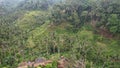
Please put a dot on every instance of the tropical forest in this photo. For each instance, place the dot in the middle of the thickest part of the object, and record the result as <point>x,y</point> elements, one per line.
<point>59,33</point>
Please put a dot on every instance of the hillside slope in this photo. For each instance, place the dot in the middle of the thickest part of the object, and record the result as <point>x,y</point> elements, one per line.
<point>84,33</point>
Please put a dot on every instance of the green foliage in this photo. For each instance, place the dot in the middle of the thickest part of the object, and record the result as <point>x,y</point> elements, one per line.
<point>50,65</point>
<point>50,29</point>
<point>114,24</point>
<point>31,20</point>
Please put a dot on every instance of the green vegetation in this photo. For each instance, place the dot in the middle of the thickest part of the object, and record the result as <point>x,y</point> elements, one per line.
<point>87,33</point>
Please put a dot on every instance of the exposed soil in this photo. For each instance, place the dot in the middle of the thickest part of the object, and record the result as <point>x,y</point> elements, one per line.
<point>101,30</point>
<point>62,63</point>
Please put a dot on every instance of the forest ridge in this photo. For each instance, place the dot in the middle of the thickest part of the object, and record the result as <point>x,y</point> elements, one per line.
<point>59,33</point>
